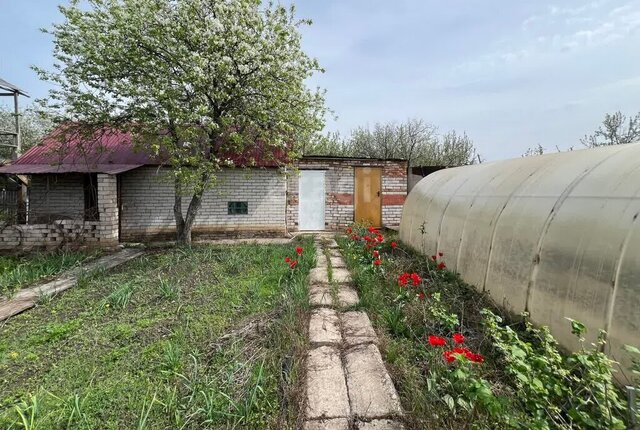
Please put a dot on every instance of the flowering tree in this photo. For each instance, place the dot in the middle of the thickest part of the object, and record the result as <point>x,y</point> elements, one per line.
<point>193,80</point>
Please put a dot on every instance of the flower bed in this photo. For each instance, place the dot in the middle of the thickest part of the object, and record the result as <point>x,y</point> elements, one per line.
<point>457,363</point>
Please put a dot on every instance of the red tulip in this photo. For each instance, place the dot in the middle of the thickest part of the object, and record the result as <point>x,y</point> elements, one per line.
<point>377,262</point>
<point>458,338</point>
<point>299,250</point>
<point>437,341</point>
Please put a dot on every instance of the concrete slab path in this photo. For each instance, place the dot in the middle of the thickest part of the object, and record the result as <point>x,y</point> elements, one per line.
<point>348,386</point>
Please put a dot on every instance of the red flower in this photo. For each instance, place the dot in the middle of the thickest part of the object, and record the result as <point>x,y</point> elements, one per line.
<point>287,260</point>
<point>377,262</point>
<point>299,250</point>
<point>434,258</point>
<point>437,341</point>
<point>394,245</point>
<point>380,238</point>
<point>349,230</point>
<point>476,358</point>
<point>355,237</point>
<point>403,279</point>
<point>376,253</point>
<point>367,238</point>
<point>293,264</point>
<point>373,230</point>
<point>422,295</point>
<point>415,278</point>
<point>449,357</point>
<point>440,254</point>
<point>458,338</point>
<point>441,265</point>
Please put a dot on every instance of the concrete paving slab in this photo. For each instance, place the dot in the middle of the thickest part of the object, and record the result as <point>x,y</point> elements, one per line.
<point>332,424</point>
<point>347,296</point>
<point>331,244</point>
<point>321,260</point>
<point>335,253</point>
<point>337,262</point>
<point>324,327</point>
<point>341,275</point>
<point>321,299</point>
<point>319,275</point>
<point>379,425</point>
<point>371,391</point>
<point>326,388</point>
<point>357,328</point>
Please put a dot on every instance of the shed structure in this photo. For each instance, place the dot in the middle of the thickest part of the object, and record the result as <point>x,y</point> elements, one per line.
<point>104,192</point>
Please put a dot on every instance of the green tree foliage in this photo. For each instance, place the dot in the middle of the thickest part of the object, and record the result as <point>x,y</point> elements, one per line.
<point>33,126</point>
<point>414,140</point>
<point>194,80</point>
<point>616,129</point>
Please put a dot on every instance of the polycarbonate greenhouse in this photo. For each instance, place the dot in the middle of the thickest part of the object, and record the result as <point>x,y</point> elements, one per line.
<point>556,235</point>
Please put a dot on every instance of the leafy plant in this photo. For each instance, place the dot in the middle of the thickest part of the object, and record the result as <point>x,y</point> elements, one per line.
<point>572,391</point>
<point>120,296</point>
<point>169,290</point>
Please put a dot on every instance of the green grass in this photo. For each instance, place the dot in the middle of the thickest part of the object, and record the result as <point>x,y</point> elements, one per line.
<point>17,272</point>
<point>210,337</point>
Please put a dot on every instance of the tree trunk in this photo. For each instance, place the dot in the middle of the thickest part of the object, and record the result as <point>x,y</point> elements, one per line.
<point>177,214</point>
<point>185,224</point>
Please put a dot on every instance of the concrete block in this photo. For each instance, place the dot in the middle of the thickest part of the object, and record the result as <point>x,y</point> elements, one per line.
<point>324,327</point>
<point>371,390</point>
<point>341,275</point>
<point>357,328</point>
<point>383,424</point>
<point>337,262</point>
<point>319,275</point>
<point>347,296</point>
<point>326,387</point>
<point>324,298</point>
<point>331,424</point>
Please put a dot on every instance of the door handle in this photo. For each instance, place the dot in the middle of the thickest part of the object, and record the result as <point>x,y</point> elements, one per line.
<point>378,193</point>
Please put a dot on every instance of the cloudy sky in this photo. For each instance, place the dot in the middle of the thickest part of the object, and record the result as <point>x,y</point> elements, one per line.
<point>512,74</point>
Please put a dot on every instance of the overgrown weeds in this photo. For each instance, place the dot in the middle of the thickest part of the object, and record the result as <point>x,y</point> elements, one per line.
<point>207,337</point>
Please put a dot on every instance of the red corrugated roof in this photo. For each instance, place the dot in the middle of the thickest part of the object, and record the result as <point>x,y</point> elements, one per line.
<point>110,151</point>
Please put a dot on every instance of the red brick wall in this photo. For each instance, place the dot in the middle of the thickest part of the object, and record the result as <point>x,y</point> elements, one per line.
<point>339,183</point>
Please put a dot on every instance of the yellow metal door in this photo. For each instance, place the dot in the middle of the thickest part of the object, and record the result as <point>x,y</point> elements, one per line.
<point>368,191</point>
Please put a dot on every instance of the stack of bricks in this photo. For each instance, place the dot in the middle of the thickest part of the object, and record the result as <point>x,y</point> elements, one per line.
<point>340,185</point>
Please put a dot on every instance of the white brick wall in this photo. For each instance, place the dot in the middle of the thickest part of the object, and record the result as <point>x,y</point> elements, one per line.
<point>147,198</point>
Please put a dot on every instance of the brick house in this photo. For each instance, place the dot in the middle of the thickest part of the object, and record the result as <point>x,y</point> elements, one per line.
<point>114,194</point>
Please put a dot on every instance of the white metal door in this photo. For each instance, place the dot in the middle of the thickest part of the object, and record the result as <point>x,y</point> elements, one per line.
<point>311,200</point>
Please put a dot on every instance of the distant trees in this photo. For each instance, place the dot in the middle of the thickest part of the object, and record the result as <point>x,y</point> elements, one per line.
<point>33,128</point>
<point>534,150</point>
<point>414,140</point>
<point>616,129</point>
